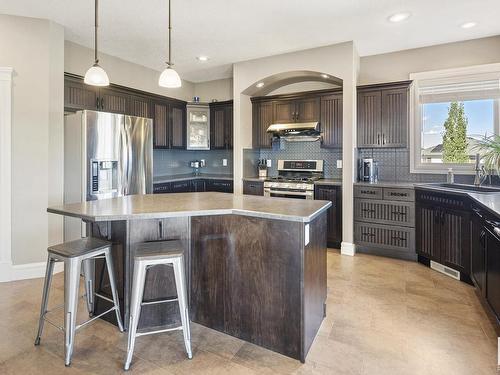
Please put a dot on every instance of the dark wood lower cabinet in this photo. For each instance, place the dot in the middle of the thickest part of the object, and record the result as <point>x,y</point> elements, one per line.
<point>334,194</point>
<point>253,188</point>
<point>196,185</point>
<point>443,229</point>
<point>246,280</point>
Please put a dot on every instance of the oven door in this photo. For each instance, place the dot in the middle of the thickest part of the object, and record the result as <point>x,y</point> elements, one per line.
<point>302,194</point>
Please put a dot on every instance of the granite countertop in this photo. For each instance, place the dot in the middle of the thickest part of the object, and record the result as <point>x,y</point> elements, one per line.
<point>153,206</point>
<point>388,184</point>
<point>191,176</point>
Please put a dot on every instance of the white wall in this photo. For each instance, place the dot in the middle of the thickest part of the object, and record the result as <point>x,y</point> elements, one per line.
<point>397,66</point>
<point>34,49</point>
<point>77,59</point>
<point>220,89</point>
<point>341,61</point>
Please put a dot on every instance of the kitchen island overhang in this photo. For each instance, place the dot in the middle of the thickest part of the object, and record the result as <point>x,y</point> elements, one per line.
<point>256,266</point>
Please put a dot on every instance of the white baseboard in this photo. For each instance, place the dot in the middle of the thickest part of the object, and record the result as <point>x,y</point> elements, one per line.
<point>13,272</point>
<point>347,248</point>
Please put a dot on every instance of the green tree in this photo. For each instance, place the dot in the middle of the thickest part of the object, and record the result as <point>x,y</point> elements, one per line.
<point>455,135</point>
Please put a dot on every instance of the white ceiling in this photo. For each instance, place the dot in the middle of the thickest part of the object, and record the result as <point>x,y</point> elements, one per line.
<point>229,31</point>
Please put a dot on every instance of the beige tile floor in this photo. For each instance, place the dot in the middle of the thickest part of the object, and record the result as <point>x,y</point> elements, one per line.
<point>384,316</point>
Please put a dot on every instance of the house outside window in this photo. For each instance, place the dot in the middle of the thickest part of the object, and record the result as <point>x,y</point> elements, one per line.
<point>451,110</point>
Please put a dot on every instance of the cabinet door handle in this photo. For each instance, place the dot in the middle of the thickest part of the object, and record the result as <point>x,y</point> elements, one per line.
<point>383,139</point>
<point>442,217</point>
<point>102,103</point>
<point>160,229</point>
<point>378,139</point>
<point>97,102</point>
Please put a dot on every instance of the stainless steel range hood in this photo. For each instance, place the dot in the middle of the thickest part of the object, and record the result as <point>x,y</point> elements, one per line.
<point>296,131</point>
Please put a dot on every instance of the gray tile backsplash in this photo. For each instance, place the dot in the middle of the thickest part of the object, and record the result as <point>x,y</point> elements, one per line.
<point>172,162</point>
<point>394,165</point>
<point>299,151</point>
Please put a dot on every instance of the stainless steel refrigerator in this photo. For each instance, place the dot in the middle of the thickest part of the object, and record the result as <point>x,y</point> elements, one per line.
<point>106,155</point>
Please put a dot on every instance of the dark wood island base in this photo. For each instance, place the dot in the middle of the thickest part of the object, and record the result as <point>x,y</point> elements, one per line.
<point>252,278</point>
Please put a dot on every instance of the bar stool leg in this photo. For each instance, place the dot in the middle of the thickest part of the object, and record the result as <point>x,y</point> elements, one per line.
<point>89,277</point>
<point>45,297</point>
<point>71,287</point>
<point>135,308</point>
<point>180,283</point>
<point>111,272</point>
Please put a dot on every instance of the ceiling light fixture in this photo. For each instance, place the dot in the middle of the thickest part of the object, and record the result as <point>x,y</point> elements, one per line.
<point>325,76</point>
<point>259,85</point>
<point>169,78</point>
<point>399,17</point>
<point>202,58</point>
<point>96,76</point>
<point>468,25</point>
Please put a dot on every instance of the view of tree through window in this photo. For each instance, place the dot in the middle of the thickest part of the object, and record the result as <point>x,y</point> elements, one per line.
<point>450,130</point>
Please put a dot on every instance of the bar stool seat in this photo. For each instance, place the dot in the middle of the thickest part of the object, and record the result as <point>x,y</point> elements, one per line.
<point>75,254</point>
<point>152,254</point>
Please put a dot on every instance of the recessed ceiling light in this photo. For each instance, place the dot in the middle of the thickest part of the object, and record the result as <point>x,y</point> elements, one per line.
<point>202,58</point>
<point>259,85</point>
<point>399,17</point>
<point>325,76</point>
<point>468,25</point>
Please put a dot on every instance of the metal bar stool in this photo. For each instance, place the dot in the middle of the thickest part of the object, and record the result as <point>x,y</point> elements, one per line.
<point>153,254</point>
<point>74,254</point>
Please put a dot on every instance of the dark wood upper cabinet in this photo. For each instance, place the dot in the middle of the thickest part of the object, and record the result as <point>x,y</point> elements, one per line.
<point>177,125</point>
<point>161,136</point>
<point>369,118</point>
<point>262,117</point>
<point>395,117</point>
<point>301,110</point>
<point>78,95</point>
<point>307,110</point>
<point>168,115</point>
<point>221,125</point>
<point>383,115</point>
<point>331,120</point>
<point>140,106</point>
<point>284,111</point>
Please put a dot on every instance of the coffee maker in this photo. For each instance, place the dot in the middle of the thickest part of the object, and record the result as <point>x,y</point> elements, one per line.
<point>368,170</point>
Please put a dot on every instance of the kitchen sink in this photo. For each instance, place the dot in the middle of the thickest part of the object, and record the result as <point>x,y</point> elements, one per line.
<point>471,188</point>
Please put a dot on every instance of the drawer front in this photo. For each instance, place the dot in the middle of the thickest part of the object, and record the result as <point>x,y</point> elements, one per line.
<point>447,199</point>
<point>165,187</point>
<point>181,187</point>
<point>384,212</point>
<point>253,188</point>
<point>368,192</point>
<point>384,237</point>
<point>222,186</point>
<point>396,194</point>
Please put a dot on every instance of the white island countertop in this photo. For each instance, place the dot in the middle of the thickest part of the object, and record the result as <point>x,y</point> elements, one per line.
<point>157,206</point>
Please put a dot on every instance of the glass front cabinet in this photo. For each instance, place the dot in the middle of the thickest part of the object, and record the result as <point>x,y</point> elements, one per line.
<point>198,127</point>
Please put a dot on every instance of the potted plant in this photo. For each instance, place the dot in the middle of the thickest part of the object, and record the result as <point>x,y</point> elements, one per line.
<point>489,148</point>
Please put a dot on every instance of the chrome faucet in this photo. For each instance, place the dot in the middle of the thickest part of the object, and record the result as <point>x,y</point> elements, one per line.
<point>481,174</point>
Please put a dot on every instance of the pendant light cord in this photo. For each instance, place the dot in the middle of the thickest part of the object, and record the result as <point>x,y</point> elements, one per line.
<point>169,62</point>
<point>96,11</point>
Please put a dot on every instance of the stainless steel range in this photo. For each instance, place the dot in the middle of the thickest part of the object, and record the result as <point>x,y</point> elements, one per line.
<point>295,179</point>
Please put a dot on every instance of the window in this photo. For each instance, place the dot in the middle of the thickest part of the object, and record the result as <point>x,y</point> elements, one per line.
<point>452,110</point>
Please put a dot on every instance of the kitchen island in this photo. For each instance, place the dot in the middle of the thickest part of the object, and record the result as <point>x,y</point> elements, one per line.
<point>256,267</point>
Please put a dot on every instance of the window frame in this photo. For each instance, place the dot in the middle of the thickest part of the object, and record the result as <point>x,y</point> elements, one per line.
<point>416,165</point>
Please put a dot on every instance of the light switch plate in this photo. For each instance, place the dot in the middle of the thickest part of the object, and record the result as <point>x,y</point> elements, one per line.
<point>339,164</point>
<point>224,162</point>
<point>269,163</point>
<point>306,234</point>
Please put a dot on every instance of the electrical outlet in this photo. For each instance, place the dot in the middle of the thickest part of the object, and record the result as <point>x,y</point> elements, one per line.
<point>339,164</point>
<point>269,163</point>
<point>224,162</point>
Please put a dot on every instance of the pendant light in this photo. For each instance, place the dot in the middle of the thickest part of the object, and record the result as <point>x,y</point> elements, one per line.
<point>96,76</point>
<point>169,77</point>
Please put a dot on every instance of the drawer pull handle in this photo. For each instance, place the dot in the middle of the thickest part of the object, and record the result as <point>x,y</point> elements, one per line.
<point>368,234</point>
<point>398,213</point>
<point>398,238</point>
<point>368,210</point>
